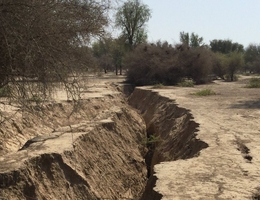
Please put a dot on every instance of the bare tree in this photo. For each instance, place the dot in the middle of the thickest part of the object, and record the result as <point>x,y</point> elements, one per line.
<point>42,41</point>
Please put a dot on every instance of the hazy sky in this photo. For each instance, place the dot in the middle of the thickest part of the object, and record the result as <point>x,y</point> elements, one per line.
<point>238,20</point>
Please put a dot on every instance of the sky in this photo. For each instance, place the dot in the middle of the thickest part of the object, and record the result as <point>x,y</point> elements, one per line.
<point>237,20</point>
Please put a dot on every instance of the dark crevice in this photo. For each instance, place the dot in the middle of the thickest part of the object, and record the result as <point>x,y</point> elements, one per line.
<point>149,192</point>
<point>171,133</point>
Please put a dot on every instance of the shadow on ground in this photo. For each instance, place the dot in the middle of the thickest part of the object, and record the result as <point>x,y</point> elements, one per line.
<point>250,104</point>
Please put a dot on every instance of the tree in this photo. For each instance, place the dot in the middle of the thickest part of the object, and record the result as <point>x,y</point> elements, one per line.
<point>235,61</point>
<point>131,17</point>
<point>118,54</point>
<point>110,53</point>
<point>185,38</point>
<point>102,50</point>
<point>225,46</point>
<point>192,40</point>
<point>42,40</point>
<point>219,66</point>
<point>252,58</point>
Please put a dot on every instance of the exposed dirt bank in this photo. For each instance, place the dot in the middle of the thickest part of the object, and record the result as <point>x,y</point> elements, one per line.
<point>96,153</point>
<point>171,132</point>
<point>229,123</point>
<point>198,147</point>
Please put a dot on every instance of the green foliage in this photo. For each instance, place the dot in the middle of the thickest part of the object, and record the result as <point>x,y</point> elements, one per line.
<point>152,139</point>
<point>226,65</point>
<point>235,61</point>
<point>109,53</point>
<point>192,40</point>
<point>185,38</point>
<point>252,52</point>
<point>205,92</point>
<point>131,17</point>
<point>254,83</point>
<point>219,64</point>
<point>228,78</point>
<point>158,86</point>
<point>186,83</point>
<point>252,58</point>
<point>225,46</point>
<point>35,98</point>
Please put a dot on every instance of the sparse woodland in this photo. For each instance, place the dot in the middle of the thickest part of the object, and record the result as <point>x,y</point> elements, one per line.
<point>52,41</point>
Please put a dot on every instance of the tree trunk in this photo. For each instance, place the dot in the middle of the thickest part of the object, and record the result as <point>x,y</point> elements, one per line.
<point>120,69</point>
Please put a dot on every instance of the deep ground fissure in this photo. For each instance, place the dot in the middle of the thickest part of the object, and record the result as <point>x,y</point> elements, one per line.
<point>171,133</point>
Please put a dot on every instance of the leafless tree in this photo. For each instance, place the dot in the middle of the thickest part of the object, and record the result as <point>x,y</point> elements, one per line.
<point>42,41</point>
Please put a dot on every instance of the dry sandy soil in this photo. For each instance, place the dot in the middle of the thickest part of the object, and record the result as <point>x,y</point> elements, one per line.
<point>229,168</point>
<point>96,152</point>
<point>208,147</point>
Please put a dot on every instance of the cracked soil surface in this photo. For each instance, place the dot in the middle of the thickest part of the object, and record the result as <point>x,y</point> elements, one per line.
<point>229,123</point>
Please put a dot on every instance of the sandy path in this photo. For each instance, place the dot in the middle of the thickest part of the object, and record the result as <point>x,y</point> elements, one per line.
<point>229,123</point>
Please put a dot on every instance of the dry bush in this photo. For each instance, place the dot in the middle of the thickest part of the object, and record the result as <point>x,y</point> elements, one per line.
<point>43,42</point>
<point>161,63</point>
<point>152,64</point>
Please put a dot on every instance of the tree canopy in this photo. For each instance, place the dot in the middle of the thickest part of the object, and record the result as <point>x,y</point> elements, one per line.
<point>191,40</point>
<point>131,17</point>
<point>225,46</point>
<point>252,58</point>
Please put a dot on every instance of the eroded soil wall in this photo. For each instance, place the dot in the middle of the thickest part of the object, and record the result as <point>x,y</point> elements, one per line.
<point>100,155</point>
<point>171,132</point>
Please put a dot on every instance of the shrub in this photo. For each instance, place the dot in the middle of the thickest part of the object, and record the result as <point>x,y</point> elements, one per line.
<point>219,65</point>
<point>152,139</point>
<point>162,63</point>
<point>158,86</point>
<point>150,63</point>
<point>254,83</point>
<point>205,92</point>
<point>228,78</point>
<point>235,61</point>
<point>186,83</point>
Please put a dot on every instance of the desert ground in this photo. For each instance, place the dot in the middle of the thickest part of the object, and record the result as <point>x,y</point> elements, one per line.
<point>229,168</point>
<point>99,153</point>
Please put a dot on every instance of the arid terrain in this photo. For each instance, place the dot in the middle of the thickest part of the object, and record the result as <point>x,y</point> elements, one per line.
<point>169,145</point>
<point>229,123</point>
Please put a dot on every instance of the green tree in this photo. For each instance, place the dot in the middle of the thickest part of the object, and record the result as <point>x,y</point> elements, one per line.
<point>102,50</point>
<point>225,46</point>
<point>192,40</point>
<point>118,53</point>
<point>219,66</point>
<point>185,38</point>
<point>252,58</point>
<point>110,53</point>
<point>132,17</point>
<point>235,61</point>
